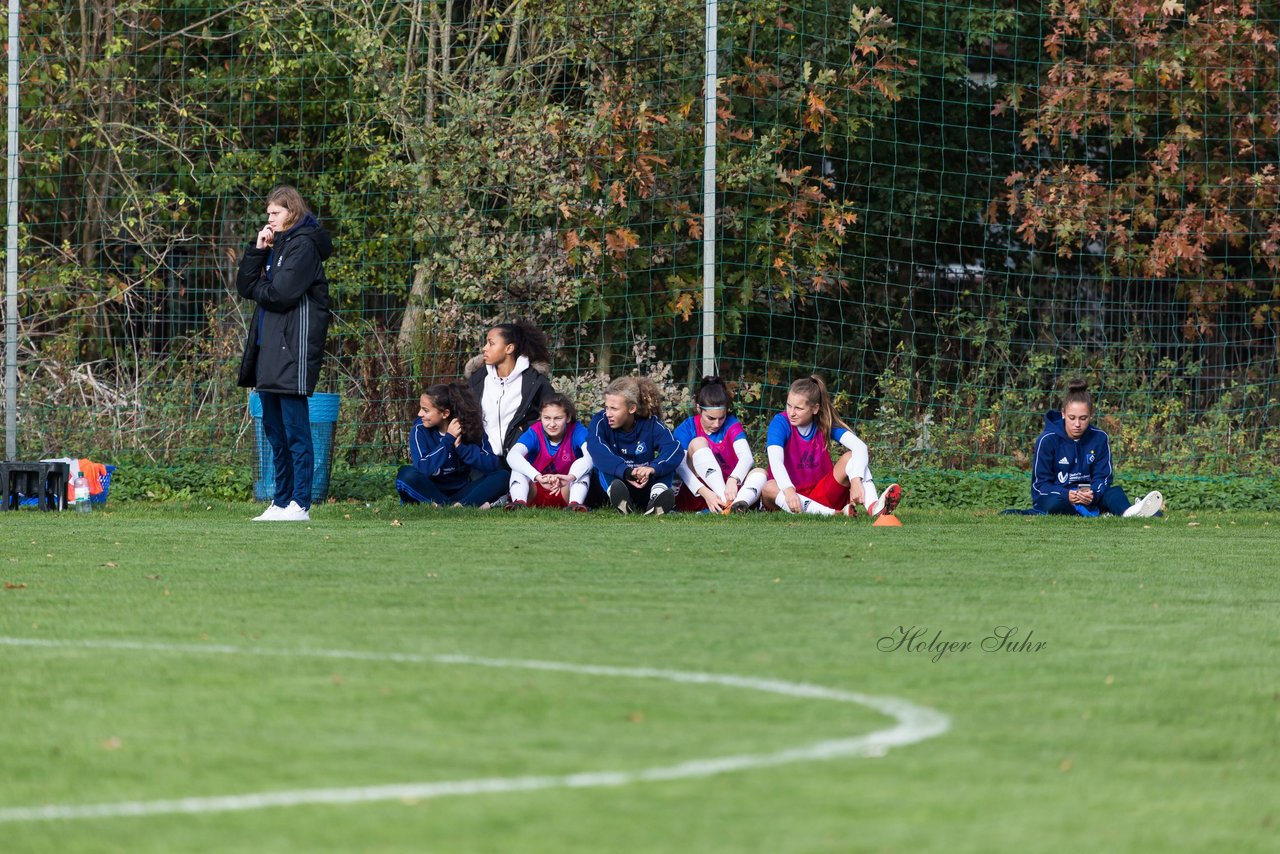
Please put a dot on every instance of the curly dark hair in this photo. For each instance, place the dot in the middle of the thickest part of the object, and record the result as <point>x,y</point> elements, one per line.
<point>531,342</point>
<point>459,403</point>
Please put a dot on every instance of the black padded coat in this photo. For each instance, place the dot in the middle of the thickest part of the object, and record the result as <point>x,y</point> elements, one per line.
<point>285,347</point>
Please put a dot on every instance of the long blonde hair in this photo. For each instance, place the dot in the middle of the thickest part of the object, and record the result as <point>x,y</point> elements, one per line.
<point>814,390</point>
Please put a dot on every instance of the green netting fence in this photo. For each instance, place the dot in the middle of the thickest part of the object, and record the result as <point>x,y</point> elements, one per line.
<point>946,209</point>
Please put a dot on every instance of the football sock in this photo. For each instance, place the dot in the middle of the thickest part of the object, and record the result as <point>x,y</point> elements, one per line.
<point>519,487</point>
<point>749,492</point>
<point>708,471</point>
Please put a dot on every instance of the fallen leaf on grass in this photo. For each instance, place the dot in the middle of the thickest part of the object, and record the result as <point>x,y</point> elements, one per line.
<point>1064,766</point>
<point>636,717</point>
<point>9,585</point>
<point>113,743</point>
<point>395,523</point>
<point>110,564</point>
<point>1193,524</point>
<point>153,577</point>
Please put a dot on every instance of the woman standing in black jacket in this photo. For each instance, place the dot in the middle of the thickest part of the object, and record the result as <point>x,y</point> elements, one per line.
<point>283,273</point>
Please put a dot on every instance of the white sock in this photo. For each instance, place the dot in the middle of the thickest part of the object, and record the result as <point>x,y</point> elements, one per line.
<point>807,505</point>
<point>708,471</point>
<point>869,494</point>
<point>749,492</point>
<point>519,487</point>
<point>578,491</point>
<point>657,489</point>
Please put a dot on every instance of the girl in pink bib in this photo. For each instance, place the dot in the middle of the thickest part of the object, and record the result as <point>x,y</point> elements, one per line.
<point>716,472</point>
<point>550,466</point>
<point>802,478</point>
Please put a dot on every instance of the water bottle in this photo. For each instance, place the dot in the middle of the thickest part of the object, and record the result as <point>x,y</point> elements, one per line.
<point>82,494</point>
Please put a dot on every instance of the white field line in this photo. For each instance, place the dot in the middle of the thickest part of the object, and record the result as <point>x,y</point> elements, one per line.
<point>914,724</point>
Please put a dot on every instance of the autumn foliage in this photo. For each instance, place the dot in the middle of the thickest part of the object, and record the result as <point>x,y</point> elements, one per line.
<point>1158,125</point>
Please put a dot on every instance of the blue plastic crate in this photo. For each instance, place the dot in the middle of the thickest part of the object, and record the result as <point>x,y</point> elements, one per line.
<point>105,482</point>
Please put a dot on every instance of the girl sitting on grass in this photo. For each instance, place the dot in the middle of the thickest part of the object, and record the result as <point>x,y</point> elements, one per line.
<point>1072,469</point>
<point>803,479</point>
<point>634,452</point>
<point>550,466</point>
<point>716,469</point>
<point>451,463</point>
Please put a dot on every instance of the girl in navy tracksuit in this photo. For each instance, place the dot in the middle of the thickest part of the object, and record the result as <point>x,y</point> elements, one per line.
<point>452,463</point>
<point>634,452</point>
<point>1072,469</point>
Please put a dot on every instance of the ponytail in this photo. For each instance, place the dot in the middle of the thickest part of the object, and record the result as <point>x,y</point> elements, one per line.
<point>814,390</point>
<point>712,393</point>
<point>530,341</point>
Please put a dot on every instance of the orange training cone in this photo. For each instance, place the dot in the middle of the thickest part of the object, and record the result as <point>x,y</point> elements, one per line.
<point>887,520</point>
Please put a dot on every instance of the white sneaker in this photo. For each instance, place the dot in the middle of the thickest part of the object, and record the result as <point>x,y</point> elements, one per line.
<point>887,502</point>
<point>271,514</point>
<point>293,513</point>
<point>1149,505</point>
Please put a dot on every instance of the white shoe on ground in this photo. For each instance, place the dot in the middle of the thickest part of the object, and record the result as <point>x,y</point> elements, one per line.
<point>293,513</point>
<point>271,514</point>
<point>1149,505</point>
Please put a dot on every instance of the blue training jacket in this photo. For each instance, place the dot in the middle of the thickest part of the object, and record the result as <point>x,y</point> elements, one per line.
<point>648,443</point>
<point>448,464</point>
<point>1062,463</point>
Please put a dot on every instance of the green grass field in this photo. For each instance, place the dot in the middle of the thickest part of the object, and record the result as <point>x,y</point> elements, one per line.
<point>154,653</point>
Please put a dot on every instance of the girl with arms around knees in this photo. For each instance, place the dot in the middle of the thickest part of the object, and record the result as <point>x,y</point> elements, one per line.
<point>716,468</point>
<point>451,461</point>
<point>1072,470</point>
<point>803,479</point>
<point>550,465</point>
<point>512,384</point>
<point>633,451</point>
